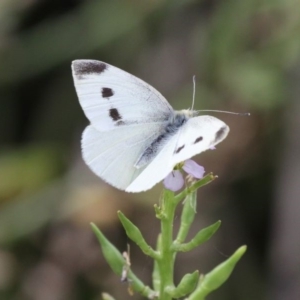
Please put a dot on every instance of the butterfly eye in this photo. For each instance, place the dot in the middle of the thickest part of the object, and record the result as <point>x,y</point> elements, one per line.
<point>198,139</point>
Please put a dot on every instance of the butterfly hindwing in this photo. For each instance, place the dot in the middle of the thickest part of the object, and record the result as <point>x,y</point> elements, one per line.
<point>112,98</point>
<point>156,170</point>
<point>112,154</point>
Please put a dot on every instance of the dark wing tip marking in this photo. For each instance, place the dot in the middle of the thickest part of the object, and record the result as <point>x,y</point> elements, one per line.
<point>220,134</point>
<point>107,92</point>
<point>198,139</point>
<point>115,115</point>
<point>86,67</point>
<point>179,149</point>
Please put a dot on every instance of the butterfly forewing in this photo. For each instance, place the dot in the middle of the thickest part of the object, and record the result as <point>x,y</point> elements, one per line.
<point>112,154</point>
<point>112,98</point>
<point>198,134</point>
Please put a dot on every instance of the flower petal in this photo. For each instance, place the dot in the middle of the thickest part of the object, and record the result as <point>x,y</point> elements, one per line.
<point>174,181</point>
<point>192,168</point>
<point>212,148</point>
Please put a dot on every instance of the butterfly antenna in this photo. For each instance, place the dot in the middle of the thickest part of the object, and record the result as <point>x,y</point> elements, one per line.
<point>194,91</point>
<point>225,112</point>
<point>211,110</point>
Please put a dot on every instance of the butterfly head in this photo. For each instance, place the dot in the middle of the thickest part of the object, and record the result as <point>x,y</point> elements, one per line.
<point>189,113</point>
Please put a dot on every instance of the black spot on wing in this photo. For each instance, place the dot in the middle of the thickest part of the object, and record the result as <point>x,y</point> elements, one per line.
<point>198,139</point>
<point>179,149</point>
<point>219,134</point>
<point>107,92</point>
<point>82,68</point>
<point>115,115</point>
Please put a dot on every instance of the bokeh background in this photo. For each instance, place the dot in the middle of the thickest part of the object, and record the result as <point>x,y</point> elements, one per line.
<point>246,58</point>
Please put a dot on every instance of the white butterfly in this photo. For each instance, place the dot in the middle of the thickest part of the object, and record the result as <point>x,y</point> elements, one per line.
<point>136,138</point>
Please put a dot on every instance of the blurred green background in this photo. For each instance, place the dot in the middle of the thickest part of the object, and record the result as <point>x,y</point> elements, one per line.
<point>246,58</point>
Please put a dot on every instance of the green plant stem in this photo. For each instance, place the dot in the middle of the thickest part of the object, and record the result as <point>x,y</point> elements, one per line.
<point>155,273</point>
<point>205,180</point>
<point>166,261</point>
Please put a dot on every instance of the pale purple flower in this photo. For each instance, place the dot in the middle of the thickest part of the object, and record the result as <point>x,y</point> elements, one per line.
<point>212,148</point>
<point>192,168</point>
<point>175,181</point>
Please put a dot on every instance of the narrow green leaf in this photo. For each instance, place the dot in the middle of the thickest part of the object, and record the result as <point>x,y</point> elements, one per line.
<point>201,237</point>
<point>217,276</point>
<point>136,236</point>
<point>187,217</point>
<point>117,262</point>
<point>112,255</point>
<point>186,286</point>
